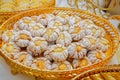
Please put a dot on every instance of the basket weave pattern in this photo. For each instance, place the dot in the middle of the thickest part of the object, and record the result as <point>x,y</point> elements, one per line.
<point>105,69</point>
<point>112,33</point>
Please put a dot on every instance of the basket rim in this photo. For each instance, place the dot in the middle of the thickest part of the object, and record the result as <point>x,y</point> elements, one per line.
<point>114,17</point>
<point>69,9</point>
<point>107,68</point>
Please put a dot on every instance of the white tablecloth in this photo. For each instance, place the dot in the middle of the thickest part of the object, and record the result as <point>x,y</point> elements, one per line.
<point>5,73</point>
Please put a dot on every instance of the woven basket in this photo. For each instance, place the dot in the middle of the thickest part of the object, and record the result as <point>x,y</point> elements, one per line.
<point>64,74</point>
<point>111,71</point>
<point>115,17</point>
<point>5,15</point>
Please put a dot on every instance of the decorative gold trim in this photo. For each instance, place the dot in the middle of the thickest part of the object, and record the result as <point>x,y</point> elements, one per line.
<point>115,17</point>
<point>66,74</point>
<point>110,68</point>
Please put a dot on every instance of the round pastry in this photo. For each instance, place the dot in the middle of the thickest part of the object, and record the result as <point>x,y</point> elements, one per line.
<point>66,27</point>
<point>42,20</point>
<point>55,24</point>
<point>91,29</point>
<point>85,23</point>
<point>36,46</point>
<point>8,36</point>
<point>102,44</point>
<point>64,39</point>
<point>59,25</point>
<point>22,38</point>
<point>16,26</point>
<point>45,18</point>
<point>79,63</point>
<point>41,63</point>
<point>51,34</point>
<point>36,29</point>
<point>57,53</point>
<point>89,42</point>
<point>62,18</point>
<point>77,33</point>
<point>10,49</point>
<point>95,31</point>
<point>50,17</point>
<point>24,58</point>
<point>102,32</point>
<point>96,56</point>
<point>23,24</point>
<point>74,20</point>
<point>62,66</point>
<point>76,51</point>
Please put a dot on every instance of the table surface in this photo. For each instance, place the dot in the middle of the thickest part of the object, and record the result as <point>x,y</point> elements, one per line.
<point>5,72</point>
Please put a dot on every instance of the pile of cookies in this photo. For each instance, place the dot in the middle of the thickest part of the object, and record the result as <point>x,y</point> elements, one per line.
<point>55,42</point>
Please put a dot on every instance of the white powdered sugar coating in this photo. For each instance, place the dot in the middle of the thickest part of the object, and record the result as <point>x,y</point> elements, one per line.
<point>24,58</point>
<point>36,29</point>
<point>51,34</point>
<point>62,18</point>
<point>37,45</point>
<point>64,39</point>
<point>73,20</point>
<point>21,42</point>
<point>79,63</point>
<point>57,53</point>
<point>89,42</point>
<point>23,24</point>
<point>103,44</point>
<point>45,18</point>
<point>41,63</point>
<point>56,41</point>
<point>8,35</point>
<point>96,56</point>
<point>76,51</point>
<point>10,49</point>
<point>65,65</point>
<point>77,34</point>
<point>55,24</point>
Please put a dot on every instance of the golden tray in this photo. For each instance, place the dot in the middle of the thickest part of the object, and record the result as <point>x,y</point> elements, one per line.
<point>112,72</point>
<point>112,36</point>
<point>5,15</point>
